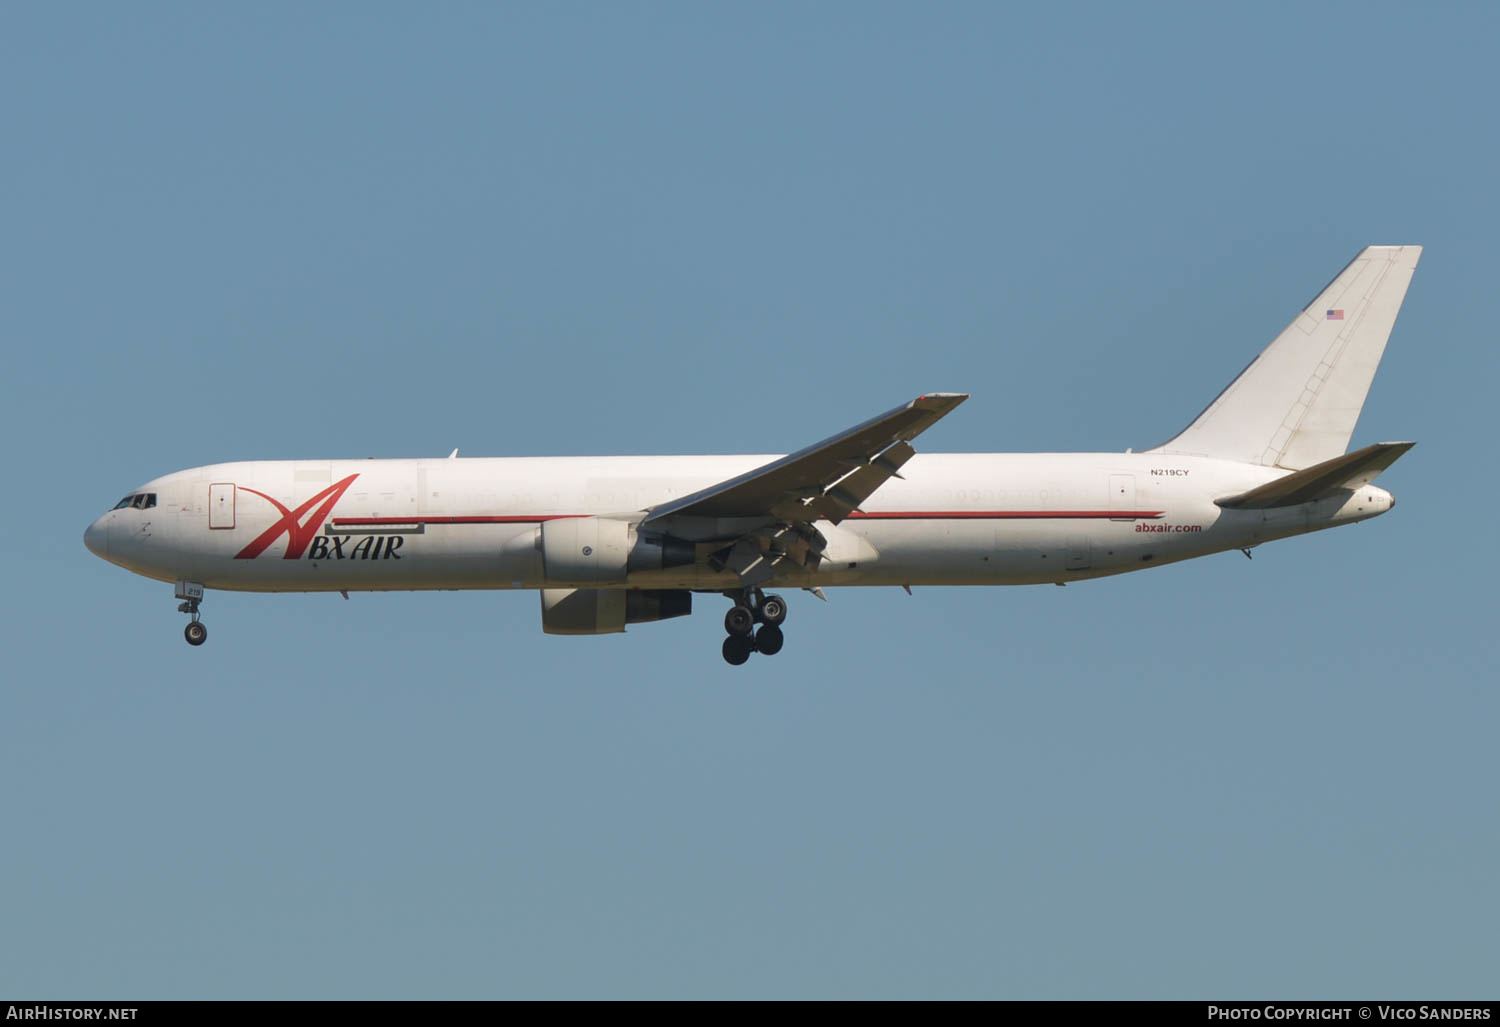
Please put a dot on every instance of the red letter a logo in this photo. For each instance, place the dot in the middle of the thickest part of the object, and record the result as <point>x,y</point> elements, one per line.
<point>298,532</point>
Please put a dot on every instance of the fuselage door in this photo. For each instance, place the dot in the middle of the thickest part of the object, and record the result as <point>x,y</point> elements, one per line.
<point>1122,497</point>
<point>221,505</point>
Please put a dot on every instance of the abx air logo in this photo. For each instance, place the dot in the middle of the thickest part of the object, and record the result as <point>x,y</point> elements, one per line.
<point>299,532</point>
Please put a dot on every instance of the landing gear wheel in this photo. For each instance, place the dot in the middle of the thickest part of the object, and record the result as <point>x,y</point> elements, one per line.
<point>195,633</point>
<point>737,649</point>
<point>739,622</point>
<point>773,610</point>
<point>768,640</point>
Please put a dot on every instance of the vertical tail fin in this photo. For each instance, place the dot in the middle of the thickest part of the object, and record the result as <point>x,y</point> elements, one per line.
<point>1297,403</point>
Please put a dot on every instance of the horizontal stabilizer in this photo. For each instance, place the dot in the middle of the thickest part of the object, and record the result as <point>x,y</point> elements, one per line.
<point>1349,471</point>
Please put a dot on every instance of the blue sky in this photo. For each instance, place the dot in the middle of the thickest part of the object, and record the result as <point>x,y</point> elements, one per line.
<point>363,229</point>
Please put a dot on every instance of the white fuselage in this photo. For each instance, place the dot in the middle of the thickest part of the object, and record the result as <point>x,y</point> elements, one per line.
<point>955,519</point>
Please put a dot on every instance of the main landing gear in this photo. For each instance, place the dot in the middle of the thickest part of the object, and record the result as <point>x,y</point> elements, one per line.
<point>192,595</point>
<point>752,607</point>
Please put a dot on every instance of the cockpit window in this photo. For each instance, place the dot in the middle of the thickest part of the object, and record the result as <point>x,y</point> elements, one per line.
<point>140,500</point>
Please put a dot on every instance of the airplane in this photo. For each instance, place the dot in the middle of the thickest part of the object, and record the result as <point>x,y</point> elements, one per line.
<point>612,541</point>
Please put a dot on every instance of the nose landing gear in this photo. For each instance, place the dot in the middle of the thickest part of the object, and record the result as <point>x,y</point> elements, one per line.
<point>752,607</point>
<point>191,595</point>
<point>195,632</point>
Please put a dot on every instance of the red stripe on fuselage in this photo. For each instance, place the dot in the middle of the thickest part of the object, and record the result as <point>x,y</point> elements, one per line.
<point>999,515</point>
<point>882,515</point>
<point>498,519</point>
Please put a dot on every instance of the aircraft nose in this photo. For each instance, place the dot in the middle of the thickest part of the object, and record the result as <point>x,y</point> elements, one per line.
<point>96,537</point>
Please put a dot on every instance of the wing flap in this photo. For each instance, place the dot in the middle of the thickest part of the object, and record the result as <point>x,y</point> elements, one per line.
<point>1349,471</point>
<point>844,497</point>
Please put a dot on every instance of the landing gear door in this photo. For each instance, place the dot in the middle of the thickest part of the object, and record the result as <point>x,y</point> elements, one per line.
<point>221,505</point>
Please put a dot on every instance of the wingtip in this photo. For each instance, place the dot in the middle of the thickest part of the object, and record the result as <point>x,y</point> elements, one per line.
<point>935,399</point>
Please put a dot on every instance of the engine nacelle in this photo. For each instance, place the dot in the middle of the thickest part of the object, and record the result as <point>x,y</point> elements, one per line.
<point>599,611</point>
<point>602,551</point>
<point>585,551</point>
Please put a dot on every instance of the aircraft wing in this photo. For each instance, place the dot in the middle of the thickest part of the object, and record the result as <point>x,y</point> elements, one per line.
<point>826,480</point>
<point>1349,471</point>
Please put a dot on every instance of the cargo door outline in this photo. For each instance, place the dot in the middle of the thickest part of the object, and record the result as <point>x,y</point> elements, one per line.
<point>1122,497</point>
<point>221,506</point>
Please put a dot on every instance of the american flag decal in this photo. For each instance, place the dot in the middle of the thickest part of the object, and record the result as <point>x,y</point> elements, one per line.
<point>1335,315</point>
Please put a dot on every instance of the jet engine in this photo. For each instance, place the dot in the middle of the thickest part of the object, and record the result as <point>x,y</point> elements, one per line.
<point>599,611</point>
<point>585,551</point>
